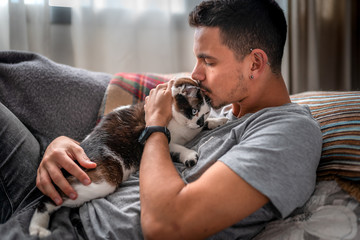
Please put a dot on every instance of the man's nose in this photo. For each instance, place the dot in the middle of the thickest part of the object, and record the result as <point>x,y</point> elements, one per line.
<point>197,73</point>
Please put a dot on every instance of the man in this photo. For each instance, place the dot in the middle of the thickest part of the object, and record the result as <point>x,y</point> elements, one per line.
<point>258,167</point>
<point>239,46</point>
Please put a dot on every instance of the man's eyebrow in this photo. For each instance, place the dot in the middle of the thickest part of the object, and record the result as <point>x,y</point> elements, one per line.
<point>203,55</point>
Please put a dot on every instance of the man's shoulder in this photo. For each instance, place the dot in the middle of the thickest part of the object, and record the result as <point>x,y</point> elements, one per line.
<point>286,113</point>
<point>291,121</point>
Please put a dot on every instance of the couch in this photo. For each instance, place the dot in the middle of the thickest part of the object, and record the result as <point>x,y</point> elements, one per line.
<point>332,212</point>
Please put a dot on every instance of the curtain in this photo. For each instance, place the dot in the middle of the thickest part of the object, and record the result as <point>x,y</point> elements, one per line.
<point>137,35</point>
<point>23,27</point>
<point>323,45</point>
<point>103,35</point>
<point>322,50</point>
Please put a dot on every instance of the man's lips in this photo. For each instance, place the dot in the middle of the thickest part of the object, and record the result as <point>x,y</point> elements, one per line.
<point>204,89</point>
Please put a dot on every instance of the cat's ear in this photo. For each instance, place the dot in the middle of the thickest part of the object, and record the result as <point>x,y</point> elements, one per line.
<point>190,90</point>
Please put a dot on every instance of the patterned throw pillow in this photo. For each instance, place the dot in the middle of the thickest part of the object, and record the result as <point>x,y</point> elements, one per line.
<point>339,116</point>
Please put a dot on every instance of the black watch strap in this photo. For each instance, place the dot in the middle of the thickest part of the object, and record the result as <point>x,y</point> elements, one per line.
<point>151,129</point>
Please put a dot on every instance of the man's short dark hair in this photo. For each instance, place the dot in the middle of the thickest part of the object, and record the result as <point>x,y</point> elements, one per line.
<point>245,25</point>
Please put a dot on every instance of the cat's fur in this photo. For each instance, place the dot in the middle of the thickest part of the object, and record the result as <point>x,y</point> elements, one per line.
<point>113,146</point>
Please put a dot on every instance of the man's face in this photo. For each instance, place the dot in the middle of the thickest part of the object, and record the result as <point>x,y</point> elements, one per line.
<point>220,74</point>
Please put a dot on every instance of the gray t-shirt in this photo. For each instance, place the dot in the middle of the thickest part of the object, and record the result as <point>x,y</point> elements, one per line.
<point>276,150</point>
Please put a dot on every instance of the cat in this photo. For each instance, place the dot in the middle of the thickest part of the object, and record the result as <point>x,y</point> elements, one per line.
<point>113,145</point>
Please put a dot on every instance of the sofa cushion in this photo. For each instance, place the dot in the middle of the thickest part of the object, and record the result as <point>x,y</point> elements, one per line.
<point>339,116</point>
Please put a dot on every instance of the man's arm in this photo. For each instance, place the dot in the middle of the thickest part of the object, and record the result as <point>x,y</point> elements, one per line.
<point>170,208</point>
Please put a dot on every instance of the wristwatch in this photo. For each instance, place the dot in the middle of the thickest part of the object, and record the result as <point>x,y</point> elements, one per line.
<point>151,129</point>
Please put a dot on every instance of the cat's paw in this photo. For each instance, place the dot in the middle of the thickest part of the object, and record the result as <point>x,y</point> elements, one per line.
<point>39,231</point>
<point>186,156</point>
<point>191,159</point>
<point>213,123</point>
<point>190,163</point>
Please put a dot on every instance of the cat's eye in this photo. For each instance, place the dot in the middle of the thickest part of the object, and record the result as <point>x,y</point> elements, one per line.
<point>194,111</point>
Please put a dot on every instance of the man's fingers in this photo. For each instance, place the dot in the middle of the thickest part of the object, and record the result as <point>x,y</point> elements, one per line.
<point>169,86</point>
<point>84,161</point>
<point>58,178</point>
<point>43,182</point>
<point>162,85</point>
<point>171,83</point>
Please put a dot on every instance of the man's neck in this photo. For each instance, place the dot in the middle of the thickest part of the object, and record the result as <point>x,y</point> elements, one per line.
<point>273,94</point>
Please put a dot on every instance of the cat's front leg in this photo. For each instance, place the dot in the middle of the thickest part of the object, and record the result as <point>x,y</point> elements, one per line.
<point>40,220</point>
<point>212,123</point>
<point>184,155</point>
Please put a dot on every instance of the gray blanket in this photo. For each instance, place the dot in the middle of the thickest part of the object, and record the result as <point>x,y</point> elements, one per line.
<point>50,99</point>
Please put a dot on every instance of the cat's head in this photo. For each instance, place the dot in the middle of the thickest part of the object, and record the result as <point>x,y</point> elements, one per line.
<point>190,107</point>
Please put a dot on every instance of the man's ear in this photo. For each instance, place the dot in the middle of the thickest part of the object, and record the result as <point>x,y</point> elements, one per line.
<point>259,61</point>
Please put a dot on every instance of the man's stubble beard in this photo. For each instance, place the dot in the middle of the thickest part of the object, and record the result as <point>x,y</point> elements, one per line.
<point>232,93</point>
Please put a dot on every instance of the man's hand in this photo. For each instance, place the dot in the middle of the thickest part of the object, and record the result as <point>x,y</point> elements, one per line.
<point>61,153</point>
<point>158,105</point>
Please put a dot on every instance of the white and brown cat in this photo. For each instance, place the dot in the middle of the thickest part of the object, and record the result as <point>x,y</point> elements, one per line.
<point>113,145</point>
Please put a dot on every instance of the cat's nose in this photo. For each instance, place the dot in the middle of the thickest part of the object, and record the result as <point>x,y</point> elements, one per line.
<point>201,121</point>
